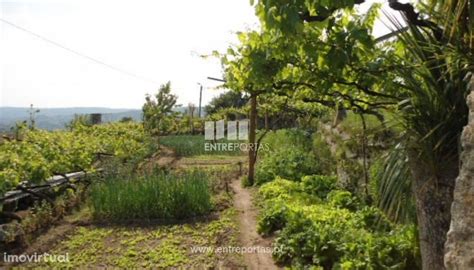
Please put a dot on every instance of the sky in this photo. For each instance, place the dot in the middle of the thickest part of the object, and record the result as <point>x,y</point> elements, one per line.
<point>140,44</point>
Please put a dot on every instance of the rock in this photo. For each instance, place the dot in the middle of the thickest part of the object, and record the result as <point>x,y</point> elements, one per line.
<point>460,239</point>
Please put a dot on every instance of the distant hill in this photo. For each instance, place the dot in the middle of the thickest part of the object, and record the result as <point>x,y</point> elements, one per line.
<point>57,118</point>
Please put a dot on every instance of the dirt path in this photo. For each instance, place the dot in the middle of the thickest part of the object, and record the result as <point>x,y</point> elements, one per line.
<point>248,229</point>
<point>165,157</point>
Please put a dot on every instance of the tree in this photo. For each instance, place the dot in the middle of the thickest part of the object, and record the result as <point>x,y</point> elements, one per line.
<point>248,69</point>
<point>32,111</point>
<point>423,74</point>
<point>126,119</point>
<point>230,99</point>
<point>157,111</point>
<point>191,108</point>
<point>270,62</point>
<point>434,116</point>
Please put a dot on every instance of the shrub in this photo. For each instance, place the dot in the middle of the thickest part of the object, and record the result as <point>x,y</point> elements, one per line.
<point>336,239</point>
<point>273,218</point>
<point>313,235</point>
<point>323,154</point>
<point>374,219</point>
<point>156,196</point>
<point>319,185</point>
<point>287,139</point>
<point>278,188</point>
<point>289,156</point>
<point>396,250</point>
<point>336,233</point>
<point>290,164</point>
<point>343,199</point>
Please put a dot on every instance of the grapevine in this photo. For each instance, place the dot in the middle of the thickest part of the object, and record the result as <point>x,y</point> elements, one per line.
<point>41,154</point>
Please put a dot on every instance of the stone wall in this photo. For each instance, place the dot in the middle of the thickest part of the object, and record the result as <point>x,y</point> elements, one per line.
<point>460,240</point>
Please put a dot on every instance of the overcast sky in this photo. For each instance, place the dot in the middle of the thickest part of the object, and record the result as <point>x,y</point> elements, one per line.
<point>154,40</point>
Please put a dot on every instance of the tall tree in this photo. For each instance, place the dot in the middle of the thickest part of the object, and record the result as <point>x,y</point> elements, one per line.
<point>248,69</point>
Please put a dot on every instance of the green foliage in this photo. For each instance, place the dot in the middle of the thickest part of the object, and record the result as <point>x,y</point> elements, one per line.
<point>374,219</point>
<point>244,181</point>
<point>329,63</point>
<point>323,52</point>
<point>313,240</point>
<point>289,156</point>
<point>274,218</point>
<point>286,16</point>
<point>230,113</point>
<point>157,111</point>
<point>230,99</point>
<point>290,163</point>
<point>126,119</point>
<point>185,124</point>
<point>352,123</point>
<point>334,238</point>
<point>280,188</point>
<point>41,154</point>
<point>343,199</point>
<point>157,196</point>
<point>79,120</point>
<point>287,138</point>
<point>318,185</point>
<point>157,246</point>
<point>436,111</point>
<point>393,183</point>
<point>315,233</point>
<point>249,66</point>
<point>323,155</point>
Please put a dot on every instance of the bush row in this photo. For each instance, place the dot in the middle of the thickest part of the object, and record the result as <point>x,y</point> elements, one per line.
<point>318,225</point>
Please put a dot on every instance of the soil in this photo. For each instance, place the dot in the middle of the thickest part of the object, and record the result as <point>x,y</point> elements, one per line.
<point>164,158</point>
<point>247,217</point>
<point>53,236</point>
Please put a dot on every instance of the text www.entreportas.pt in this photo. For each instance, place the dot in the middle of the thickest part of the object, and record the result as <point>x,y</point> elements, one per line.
<point>232,249</point>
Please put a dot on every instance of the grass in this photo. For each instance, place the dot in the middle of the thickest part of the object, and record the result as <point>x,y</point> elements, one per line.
<point>192,145</point>
<point>158,196</point>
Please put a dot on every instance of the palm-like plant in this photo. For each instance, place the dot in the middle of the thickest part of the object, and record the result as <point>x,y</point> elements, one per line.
<point>395,188</point>
<point>435,74</point>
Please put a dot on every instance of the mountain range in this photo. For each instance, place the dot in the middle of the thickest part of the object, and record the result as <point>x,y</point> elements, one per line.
<point>57,118</point>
